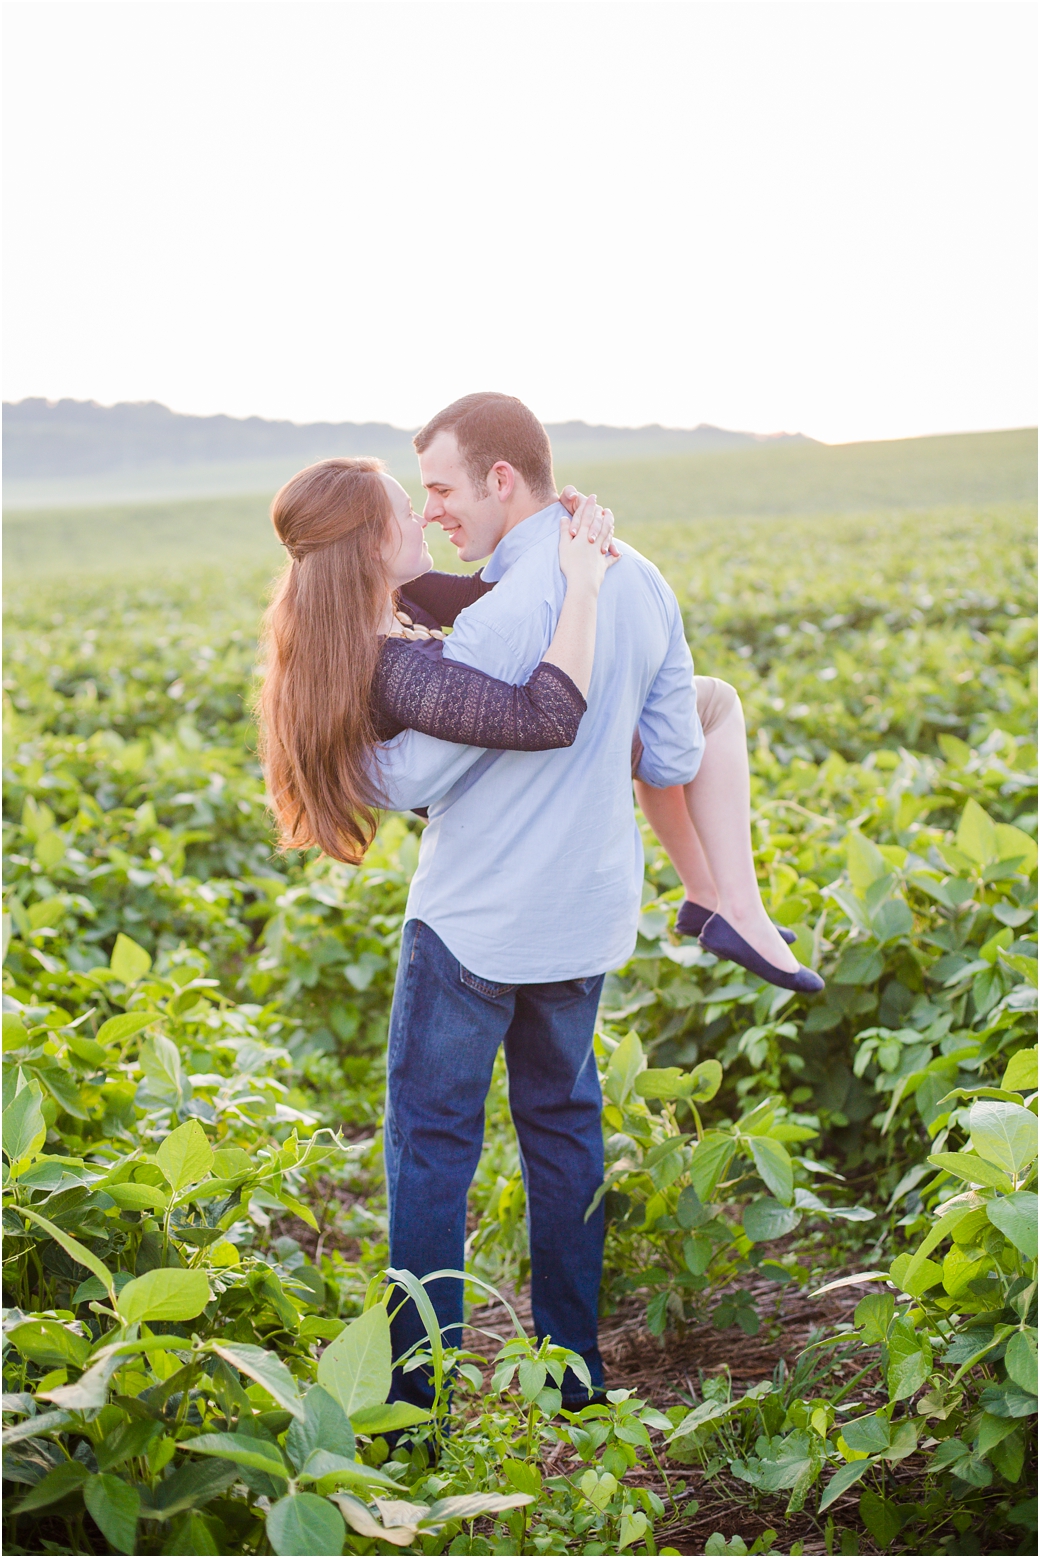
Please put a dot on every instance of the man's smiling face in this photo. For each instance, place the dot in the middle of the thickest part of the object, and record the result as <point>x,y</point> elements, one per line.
<point>473,521</point>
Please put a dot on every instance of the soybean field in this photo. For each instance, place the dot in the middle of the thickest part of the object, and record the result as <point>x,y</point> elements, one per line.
<point>820,1302</point>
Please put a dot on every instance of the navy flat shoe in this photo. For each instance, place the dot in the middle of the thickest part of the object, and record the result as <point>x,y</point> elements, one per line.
<point>718,936</point>
<point>692,918</point>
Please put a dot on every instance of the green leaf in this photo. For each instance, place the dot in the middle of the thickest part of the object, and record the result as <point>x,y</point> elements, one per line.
<point>1013,844</point>
<point>114,1506</point>
<point>710,1160</point>
<point>15,1034</point>
<point>867,1435</point>
<point>467,1506</point>
<point>766,1219</point>
<point>991,1431</point>
<point>925,1275</point>
<point>904,1440</point>
<point>164,1294</point>
<point>969,1166</point>
<point>47,913</point>
<point>324,1426</point>
<point>50,1344</point>
<point>360,1518</point>
<point>331,1471</point>
<point>697,1253</point>
<point>842,1481</point>
<point>389,1418</point>
<point>307,1525</point>
<point>774,1166</point>
<point>357,1367</point>
<point>866,862</point>
<point>34,1427</point>
<point>73,1247</point>
<point>129,962</point>
<point>258,1454</point>
<point>909,1360</point>
<point>268,1371</point>
<point>531,1378</point>
<point>65,1478</point>
<point>133,1197</point>
<point>193,1536</point>
<point>91,1288</point>
<point>86,1049</point>
<point>1020,1359</point>
<point>90,1391</point>
<point>668,1083</point>
<point>1008,1400</point>
<point>232,1163</point>
<point>117,1029</point>
<point>298,1208</point>
<point>1003,1133</point>
<point>860,963</point>
<point>24,1128</point>
<point>689,1213</point>
<point>161,1063</point>
<point>1016,1217</point>
<point>977,835</point>
<point>882,1518</point>
<point>129,1439</point>
<point>625,1065</point>
<point>185,1156</point>
<point>193,1483</point>
<point>874,1314</point>
<point>1021,964</point>
<point>1021,1073</point>
<point>1008,1457</point>
<point>891,920</point>
<point>707,1079</point>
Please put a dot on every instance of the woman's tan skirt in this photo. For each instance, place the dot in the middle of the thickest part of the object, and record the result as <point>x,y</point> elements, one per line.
<point>715,699</point>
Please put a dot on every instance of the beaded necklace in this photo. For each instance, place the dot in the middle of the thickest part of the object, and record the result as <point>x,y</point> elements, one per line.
<point>404,627</point>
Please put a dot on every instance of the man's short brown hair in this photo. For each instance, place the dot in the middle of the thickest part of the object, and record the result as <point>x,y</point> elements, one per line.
<point>490,427</point>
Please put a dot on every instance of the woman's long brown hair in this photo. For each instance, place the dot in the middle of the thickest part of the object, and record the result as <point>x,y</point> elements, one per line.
<point>320,631</point>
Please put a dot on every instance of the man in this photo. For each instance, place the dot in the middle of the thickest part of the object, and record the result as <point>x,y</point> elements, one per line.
<point>528,885</point>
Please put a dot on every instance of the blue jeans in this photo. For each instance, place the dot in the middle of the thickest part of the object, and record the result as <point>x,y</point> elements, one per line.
<point>445,1028</point>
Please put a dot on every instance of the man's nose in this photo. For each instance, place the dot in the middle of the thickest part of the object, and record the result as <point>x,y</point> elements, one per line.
<point>432,508</point>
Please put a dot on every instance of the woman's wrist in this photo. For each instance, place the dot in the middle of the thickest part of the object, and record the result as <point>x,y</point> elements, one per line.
<point>583,589</point>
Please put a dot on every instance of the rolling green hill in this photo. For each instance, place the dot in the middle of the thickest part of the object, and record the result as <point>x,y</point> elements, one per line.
<point>965,471</point>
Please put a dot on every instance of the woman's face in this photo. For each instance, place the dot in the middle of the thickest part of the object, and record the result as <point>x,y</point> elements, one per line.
<point>405,552</point>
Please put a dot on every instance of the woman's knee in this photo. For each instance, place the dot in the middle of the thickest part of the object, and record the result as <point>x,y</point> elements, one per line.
<point>717,702</point>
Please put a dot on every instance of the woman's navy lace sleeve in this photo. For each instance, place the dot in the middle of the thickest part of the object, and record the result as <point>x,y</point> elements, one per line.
<point>415,688</point>
<point>441,596</point>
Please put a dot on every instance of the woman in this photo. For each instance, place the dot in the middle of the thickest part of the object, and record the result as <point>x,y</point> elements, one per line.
<point>355,636</point>
<point>353,660</point>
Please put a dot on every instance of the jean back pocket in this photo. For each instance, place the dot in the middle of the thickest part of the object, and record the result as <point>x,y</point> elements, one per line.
<point>487,988</point>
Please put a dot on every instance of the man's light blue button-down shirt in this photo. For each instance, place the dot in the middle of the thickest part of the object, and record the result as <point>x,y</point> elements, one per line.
<point>531,867</point>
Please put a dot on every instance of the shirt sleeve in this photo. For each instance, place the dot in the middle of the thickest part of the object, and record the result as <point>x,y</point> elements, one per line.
<point>444,595</point>
<point>669,726</point>
<point>415,770</point>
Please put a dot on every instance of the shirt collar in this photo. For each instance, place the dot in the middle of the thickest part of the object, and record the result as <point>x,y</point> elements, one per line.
<point>536,527</point>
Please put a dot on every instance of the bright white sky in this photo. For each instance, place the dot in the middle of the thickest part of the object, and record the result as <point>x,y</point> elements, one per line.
<point>768,216</point>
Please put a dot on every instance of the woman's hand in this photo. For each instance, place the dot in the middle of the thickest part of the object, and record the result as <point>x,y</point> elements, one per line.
<point>572,500</point>
<point>587,545</point>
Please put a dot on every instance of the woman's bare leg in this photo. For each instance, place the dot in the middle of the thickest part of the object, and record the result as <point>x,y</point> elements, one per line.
<point>665,811</point>
<point>711,847</point>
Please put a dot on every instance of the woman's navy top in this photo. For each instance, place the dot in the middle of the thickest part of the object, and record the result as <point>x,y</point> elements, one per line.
<point>415,688</point>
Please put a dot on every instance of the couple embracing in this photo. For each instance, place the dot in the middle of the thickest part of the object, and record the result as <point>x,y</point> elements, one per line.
<point>565,675</point>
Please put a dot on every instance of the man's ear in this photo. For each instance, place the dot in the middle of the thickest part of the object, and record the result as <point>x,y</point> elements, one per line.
<point>501,480</point>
